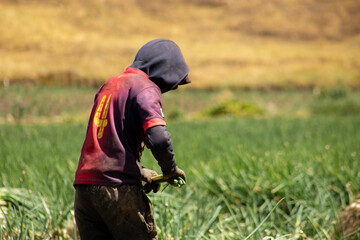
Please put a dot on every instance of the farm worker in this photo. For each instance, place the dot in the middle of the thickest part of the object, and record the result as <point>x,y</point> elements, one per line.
<point>110,202</point>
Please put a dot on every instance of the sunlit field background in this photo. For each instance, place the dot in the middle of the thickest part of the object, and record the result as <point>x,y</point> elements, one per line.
<point>226,42</point>
<point>267,133</point>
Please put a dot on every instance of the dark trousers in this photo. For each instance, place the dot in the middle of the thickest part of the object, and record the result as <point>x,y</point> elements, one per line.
<point>122,212</point>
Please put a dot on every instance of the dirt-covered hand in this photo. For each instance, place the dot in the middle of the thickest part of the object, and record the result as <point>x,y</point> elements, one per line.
<point>177,172</point>
<point>146,175</point>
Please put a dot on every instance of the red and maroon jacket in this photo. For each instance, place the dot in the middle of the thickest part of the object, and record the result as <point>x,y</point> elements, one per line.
<point>125,107</point>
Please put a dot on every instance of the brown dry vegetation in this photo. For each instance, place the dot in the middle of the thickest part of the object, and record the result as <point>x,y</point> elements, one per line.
<point>236,43</point>
<point>348,222</point>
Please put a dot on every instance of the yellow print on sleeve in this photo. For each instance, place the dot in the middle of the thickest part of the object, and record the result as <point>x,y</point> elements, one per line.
<point>100,119</point>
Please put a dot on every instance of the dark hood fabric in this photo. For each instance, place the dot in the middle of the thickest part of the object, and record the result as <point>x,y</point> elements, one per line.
<point>163,62</point>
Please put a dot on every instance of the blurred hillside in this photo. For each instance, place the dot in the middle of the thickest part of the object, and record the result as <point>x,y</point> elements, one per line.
<point>227,43</point>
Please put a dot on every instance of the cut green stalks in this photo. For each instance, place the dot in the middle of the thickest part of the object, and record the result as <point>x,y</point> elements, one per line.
<point>176,182</point>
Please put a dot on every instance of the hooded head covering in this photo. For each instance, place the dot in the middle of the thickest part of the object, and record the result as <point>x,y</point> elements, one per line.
<point>163,62</point>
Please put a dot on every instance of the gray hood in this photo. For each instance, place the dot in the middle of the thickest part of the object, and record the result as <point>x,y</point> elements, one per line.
<point>163,62</point>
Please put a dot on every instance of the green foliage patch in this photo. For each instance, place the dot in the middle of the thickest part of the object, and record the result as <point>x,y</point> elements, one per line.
<point>233,108</point>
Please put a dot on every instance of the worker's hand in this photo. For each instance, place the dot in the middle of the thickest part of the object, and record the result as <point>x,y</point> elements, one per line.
<point>146,175</point>
<point>177,172</point>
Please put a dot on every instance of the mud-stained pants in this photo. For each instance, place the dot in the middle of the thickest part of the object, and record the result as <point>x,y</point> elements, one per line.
<point>121,213</point>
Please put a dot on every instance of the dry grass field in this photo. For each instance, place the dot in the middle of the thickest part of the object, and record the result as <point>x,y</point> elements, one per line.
<point>228,43</point>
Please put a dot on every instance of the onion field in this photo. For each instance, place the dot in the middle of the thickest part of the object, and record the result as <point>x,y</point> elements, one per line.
<point>249,178</point>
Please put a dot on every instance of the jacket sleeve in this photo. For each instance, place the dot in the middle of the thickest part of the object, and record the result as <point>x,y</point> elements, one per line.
<point>160,144</point>
<point>149,103</point>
